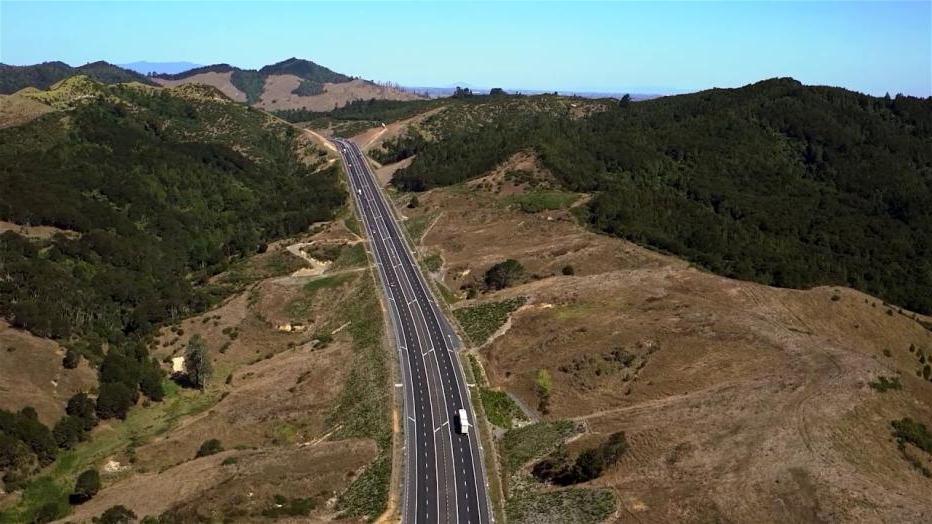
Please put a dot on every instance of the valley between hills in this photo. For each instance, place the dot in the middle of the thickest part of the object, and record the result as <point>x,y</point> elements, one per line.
<point>654,332</point>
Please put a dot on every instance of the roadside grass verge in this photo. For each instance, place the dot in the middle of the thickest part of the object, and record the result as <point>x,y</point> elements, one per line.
<point>351,257</point>
<point>352,223</point>
<point>500,409</point>
<point>537,201</point>
<point>521,445</point>
<point>526,500</point>
<point>577,505</point>
<point>363,408</point>
<point>481,321</point>
<point>448,296</point>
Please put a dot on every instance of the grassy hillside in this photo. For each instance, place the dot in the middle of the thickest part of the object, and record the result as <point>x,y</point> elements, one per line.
<point>251,82</point>
<point>775,182</point>
<point>163,188</point>
<point>42,76</point>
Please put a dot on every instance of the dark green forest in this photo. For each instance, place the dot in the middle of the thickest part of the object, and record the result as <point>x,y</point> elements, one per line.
<point>364,110</point>
<point>163,192</point>
<point>775,182</point>
<point>42,76</point>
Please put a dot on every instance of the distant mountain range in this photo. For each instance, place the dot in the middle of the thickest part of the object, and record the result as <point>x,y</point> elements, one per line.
<point>169,68</point>
<point>290,84</point>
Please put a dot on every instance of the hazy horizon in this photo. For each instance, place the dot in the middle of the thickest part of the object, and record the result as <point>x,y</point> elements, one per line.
<point>569,47</point>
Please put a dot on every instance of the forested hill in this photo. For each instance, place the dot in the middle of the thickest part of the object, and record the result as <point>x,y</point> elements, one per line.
<point>156,190</point>
<point>777,182</point>
<point>42,76</point>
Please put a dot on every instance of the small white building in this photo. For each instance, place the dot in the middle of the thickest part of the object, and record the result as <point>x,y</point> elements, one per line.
<point>177,365</point>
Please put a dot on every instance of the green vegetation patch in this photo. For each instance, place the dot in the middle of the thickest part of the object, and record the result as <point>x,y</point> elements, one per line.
<point>300,307</point>
<point>915,433</point>
<point>577,505</point>
<point>883,384</point>
<point>481,321</point>
<point>308,88</point>
<point>140,426</point>
<point>367,496</point>
<point>500,408</point>
<point>371,111</point>
<point>434,262</point>
<point>289,507</point>
<point>537,201</point>
<point>365,403</point>
<point>351,257</point>
<point>522,445</point>
<point>416,226</point>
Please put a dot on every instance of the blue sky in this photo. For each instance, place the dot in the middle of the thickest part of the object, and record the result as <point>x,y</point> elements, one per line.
<point>873,47</point>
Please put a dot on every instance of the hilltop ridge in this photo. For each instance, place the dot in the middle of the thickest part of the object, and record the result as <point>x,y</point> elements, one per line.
<point>42,76</point>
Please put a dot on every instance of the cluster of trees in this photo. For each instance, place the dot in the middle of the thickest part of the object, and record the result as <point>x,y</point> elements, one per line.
<point>26,444</point>
<point>776,182</point>
<point>308,88</point>
<point>373,110</point>
<point>399,148</point>
<point>126,371</point>
<point>588,465</point>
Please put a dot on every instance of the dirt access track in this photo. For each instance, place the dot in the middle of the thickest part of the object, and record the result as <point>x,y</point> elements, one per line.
<point>741,402</point>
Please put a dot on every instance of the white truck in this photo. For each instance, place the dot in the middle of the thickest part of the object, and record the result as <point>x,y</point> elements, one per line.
<point>464,421</point>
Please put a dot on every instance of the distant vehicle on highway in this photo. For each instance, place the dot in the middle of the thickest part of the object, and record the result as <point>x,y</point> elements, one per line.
<point>464,421</point>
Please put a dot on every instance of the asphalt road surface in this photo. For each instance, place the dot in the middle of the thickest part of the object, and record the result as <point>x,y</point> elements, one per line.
<point>444,477</point>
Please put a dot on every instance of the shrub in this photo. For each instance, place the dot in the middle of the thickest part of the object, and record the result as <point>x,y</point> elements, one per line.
<point>908,430</point>
<point>504,274</point>
<point>883,384</point>
<point>542,385</point>
<point>84,408</point>
<point>209,447</point>
<point>114,400</point>
<point>87,485</point>
<point>71,360</point>
<point>68,431</point>
<point>568,270</point>
<point>116,515</point>
<point>47,513</point>
<point>150,381</point>
<point>589,465</point>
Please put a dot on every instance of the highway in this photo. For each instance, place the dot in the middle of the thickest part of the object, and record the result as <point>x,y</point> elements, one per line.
<point>444,477</point>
